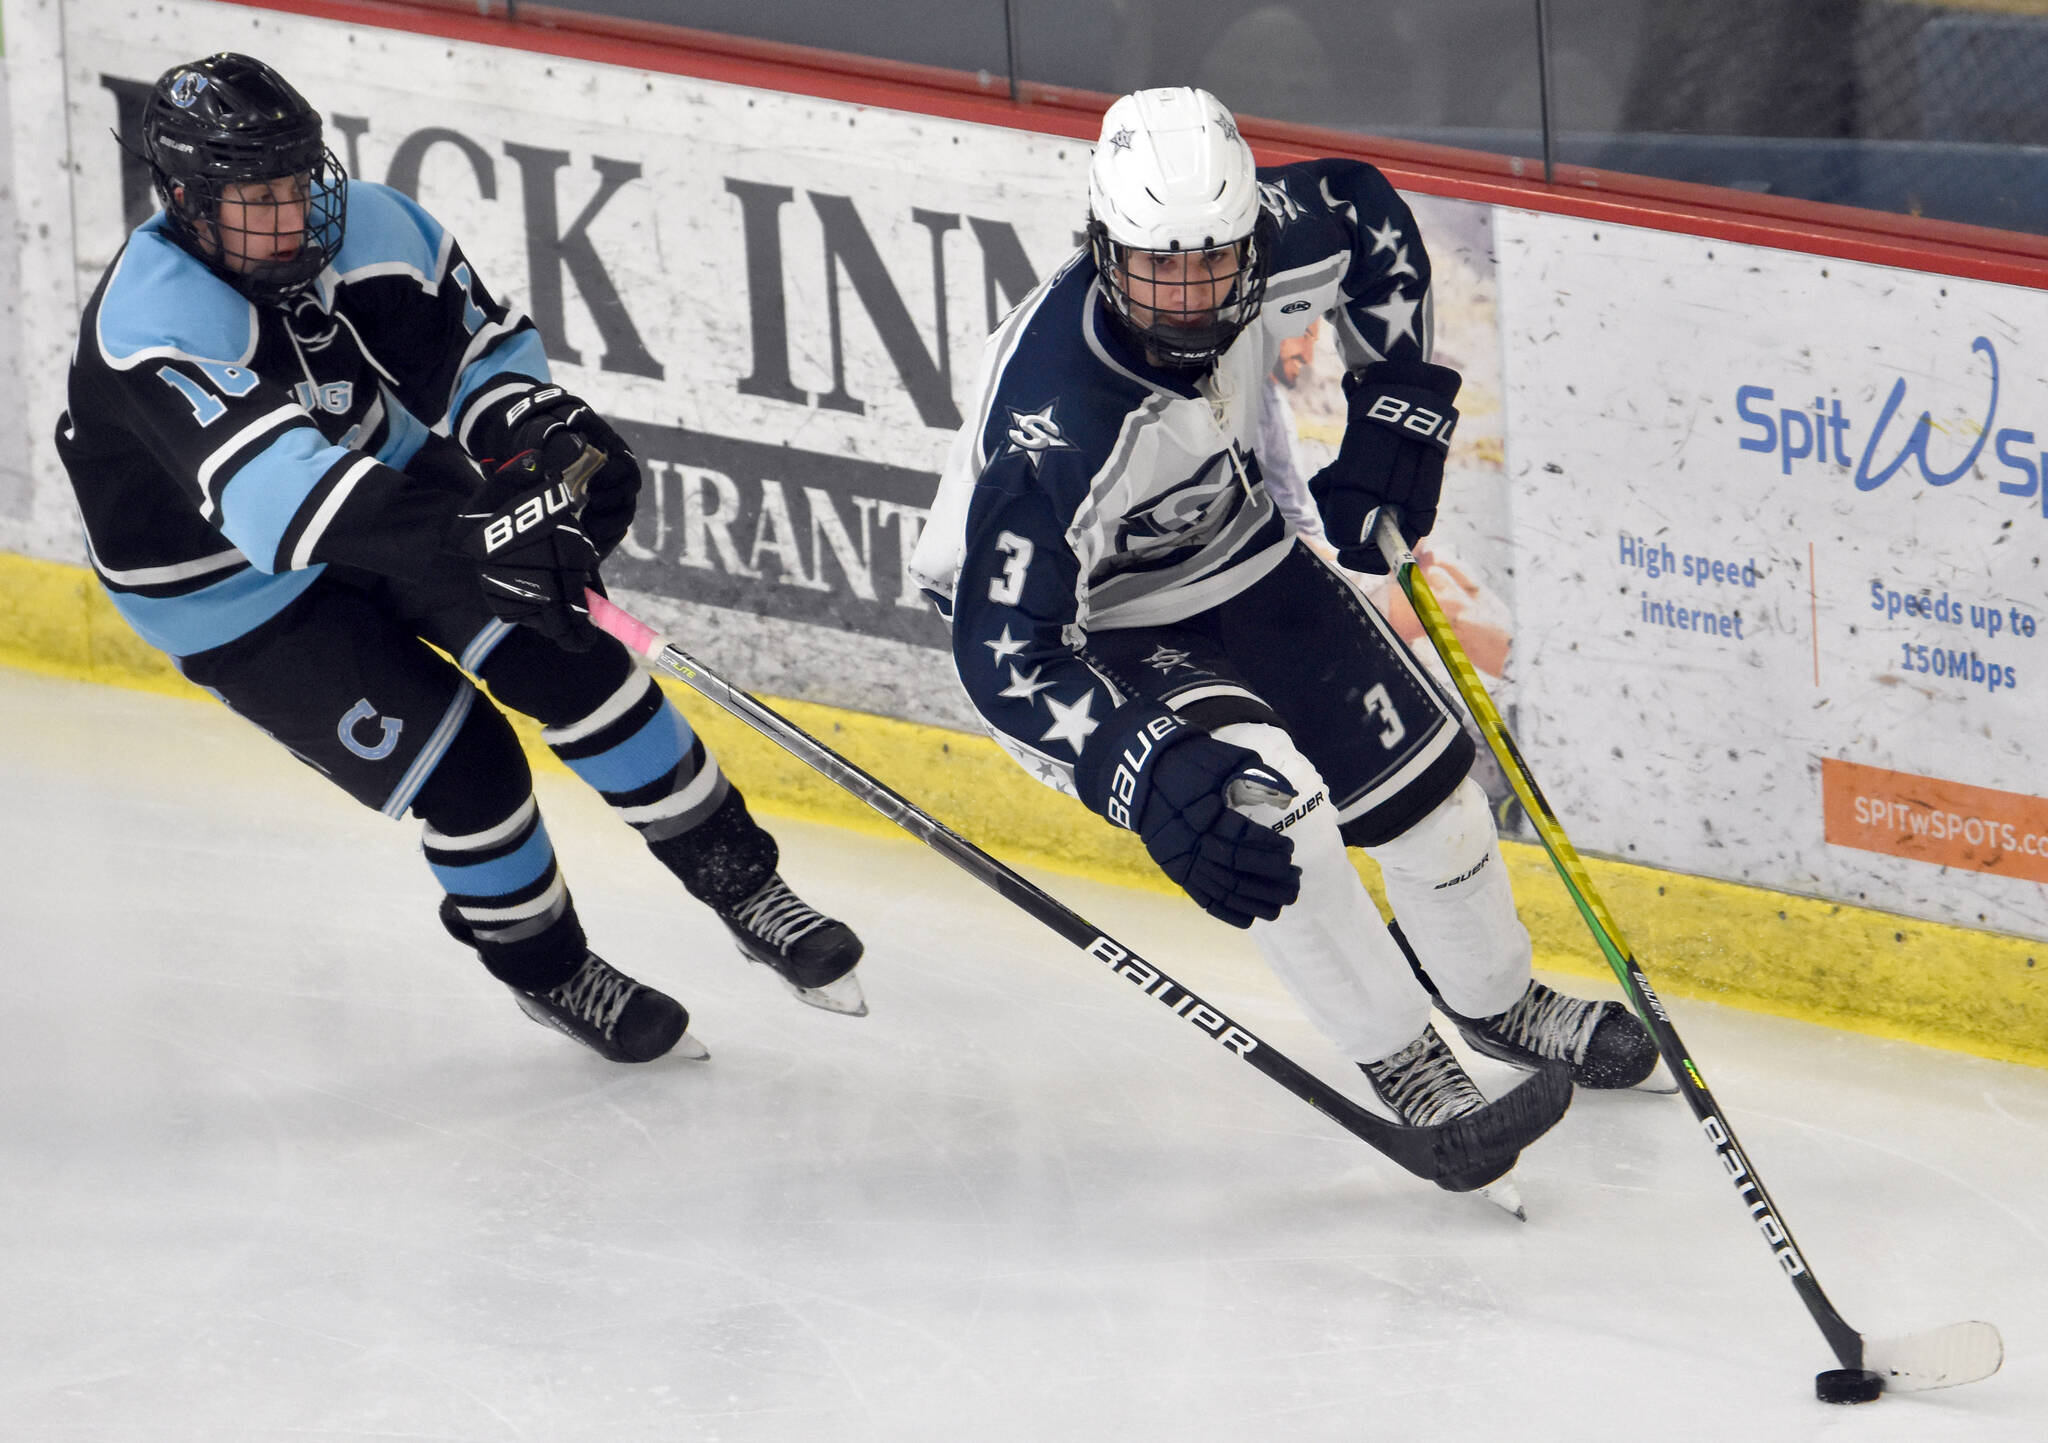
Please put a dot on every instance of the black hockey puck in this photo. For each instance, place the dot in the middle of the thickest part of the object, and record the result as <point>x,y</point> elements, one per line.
<point>1848,1385</point>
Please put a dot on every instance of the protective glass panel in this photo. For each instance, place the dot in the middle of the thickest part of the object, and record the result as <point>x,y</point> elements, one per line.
<point>1936,109</point>
<point>1461,72</point>
<point>957,34</point>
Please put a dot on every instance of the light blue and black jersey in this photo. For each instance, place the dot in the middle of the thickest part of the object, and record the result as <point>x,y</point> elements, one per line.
<point>223,453</point>
<point>1090,490</point>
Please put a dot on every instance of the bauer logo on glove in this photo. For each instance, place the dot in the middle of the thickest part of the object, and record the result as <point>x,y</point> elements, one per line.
<point>532,560</point>
<point>541,399</point>
<point>529,513</point>
<point>573,443</point>
<point>1390,410</point>
<point>1400,419</point>
<point>1130,764</point>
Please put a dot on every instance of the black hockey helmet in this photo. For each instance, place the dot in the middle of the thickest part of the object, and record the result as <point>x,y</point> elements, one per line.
<point>216,131</point>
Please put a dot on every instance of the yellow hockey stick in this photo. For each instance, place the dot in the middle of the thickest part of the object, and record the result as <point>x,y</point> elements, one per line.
<point>1940,1358</point>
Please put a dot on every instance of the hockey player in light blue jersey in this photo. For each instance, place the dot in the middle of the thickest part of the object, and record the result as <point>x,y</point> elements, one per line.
<point>284,389</point>
<point>1136,623</point>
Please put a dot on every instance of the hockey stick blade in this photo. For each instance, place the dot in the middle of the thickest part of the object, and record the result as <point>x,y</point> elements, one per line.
<point>1464,1154</point>
<point>1461,1155</point>
<point>1471,1151</point>
<point>1941,1358</point>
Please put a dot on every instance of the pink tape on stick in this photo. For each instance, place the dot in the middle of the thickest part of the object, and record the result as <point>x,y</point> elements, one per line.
<point>635,633</point>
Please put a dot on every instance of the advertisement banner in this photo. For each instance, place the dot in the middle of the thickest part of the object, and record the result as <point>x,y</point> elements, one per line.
<point>780,300</point>
<point>1780,524</point>
<point>1746,541</point>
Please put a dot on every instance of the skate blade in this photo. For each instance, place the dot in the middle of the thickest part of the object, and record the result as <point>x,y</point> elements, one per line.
<point>1503,1194</point>
<point>686,1046</point>
<point>842,996</point>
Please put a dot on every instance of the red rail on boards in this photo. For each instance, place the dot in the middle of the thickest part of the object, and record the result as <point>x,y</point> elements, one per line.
<point>1938,247</point>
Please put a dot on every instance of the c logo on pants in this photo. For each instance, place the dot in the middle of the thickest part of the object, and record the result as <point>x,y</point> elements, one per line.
<point>363,711</point>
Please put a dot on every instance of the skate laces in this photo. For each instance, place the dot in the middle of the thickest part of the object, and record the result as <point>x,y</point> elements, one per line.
<point>1424,1083</point>
<point>778,916</point>
<point>597,994</point>
<point>1550,1024</point>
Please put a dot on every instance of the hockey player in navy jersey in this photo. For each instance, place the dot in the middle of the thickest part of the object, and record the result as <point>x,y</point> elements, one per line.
<point>1135,622</point>
<point>307,442</point>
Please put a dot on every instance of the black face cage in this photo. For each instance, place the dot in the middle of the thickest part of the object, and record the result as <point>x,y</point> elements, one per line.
<point>1171,330</point>
<point>216,232</point>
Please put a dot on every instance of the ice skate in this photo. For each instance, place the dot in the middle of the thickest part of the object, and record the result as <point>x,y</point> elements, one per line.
<point>614,1016</point>
<point>600,1006</point>
<point>1605,1044</point>
<point>1425,1085</point>
<point>813,954</point>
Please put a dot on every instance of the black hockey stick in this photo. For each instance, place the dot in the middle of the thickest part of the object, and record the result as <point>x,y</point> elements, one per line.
<point>1482,1144</point>
<point>1943,1357</point>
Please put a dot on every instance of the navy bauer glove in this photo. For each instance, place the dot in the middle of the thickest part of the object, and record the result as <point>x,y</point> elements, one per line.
<point>1171,784</point>
<point>1396,433</point>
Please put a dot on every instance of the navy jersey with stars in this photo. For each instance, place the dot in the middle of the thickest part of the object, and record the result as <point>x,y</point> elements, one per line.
<point>1090,490</point>
<point>223,453</point>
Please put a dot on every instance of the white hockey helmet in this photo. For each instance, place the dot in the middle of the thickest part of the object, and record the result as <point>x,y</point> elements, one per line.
<point>1174,215</point>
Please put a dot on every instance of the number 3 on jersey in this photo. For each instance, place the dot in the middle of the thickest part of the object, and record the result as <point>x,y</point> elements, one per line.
<point>1379,705</point>
<point>1008,589</point>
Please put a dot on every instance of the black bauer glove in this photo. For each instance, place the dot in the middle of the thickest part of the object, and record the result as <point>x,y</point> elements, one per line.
<point>557,426</point>
<point>1396,432</point>
<point>1171,784</point>
<point>532,559</point>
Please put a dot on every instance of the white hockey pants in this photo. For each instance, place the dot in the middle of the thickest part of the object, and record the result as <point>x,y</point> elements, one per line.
<point>1447,885</point>
<point>1449,889</point>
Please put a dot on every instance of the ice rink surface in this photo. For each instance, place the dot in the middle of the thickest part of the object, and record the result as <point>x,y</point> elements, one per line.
<point>278,1160</point>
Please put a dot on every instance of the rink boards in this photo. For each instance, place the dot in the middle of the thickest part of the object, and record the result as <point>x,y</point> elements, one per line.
<point>1750,535</point>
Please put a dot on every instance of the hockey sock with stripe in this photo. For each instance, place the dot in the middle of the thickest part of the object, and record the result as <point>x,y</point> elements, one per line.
<point>489,850</point>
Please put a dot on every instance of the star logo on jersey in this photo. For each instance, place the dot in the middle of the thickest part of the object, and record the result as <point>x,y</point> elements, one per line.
<point>1005,646</point>
<point>1121,140</point>
<point>1027,687</point>
<point>1071,724</point>
<point>1397,313</point>
<point>1165,659</point>
<point>1401,266</point>
<point>1036,432</point>
<point>1386,238</point>
<point>1276,200</point>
